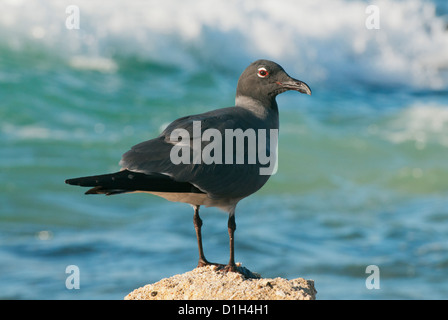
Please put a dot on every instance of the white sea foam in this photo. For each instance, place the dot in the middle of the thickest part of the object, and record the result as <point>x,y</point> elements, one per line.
<point>421,124</point>
<point>93,63</point>
<point>325,39</point>
<point>28,132</point>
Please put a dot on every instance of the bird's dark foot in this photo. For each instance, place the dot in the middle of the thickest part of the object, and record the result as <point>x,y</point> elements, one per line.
<point>219,266</point>
<point>238,268</point>
<point>229,268</point>
<point>204,263</point>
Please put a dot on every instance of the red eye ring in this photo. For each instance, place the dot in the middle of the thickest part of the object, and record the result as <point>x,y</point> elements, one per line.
<point>262,72</point>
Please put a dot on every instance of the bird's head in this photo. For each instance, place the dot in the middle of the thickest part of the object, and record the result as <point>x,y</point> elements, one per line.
<point>263,80</point>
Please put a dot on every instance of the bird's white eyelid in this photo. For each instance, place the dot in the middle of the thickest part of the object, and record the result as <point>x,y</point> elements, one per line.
<point>262,69</point>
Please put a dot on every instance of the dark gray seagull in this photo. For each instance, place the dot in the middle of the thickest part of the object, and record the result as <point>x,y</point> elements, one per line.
<point>222,177</point>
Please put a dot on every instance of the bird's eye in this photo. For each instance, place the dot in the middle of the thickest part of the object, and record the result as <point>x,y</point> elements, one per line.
<point>262,72</point>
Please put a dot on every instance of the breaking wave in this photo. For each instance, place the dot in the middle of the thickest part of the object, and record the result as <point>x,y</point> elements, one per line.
<point>326,40</point>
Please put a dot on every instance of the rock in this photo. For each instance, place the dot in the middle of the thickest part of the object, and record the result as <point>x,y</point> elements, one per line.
<point>209,283</point>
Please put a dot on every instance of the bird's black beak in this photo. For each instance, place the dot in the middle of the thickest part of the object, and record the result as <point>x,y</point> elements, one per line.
<point>297,85</point>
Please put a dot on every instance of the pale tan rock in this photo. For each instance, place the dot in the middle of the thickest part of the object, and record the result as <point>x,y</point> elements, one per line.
<point>209,283</point>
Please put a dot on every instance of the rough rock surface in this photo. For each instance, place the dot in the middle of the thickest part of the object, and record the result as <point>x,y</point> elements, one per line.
<point>209,283</point>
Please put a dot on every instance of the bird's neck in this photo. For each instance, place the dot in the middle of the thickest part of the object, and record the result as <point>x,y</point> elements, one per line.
<point>263,109</point>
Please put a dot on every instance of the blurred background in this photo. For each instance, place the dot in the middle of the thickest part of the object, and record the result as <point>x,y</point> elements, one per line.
<point>363,163</point>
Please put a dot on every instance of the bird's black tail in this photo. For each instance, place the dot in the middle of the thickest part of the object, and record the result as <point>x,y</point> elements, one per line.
<point>129,181</point>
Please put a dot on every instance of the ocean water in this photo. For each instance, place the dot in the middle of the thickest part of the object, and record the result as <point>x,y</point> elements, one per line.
<point>363,163</point>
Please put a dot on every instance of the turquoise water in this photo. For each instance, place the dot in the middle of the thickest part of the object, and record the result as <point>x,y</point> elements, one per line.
<point>363,171</point>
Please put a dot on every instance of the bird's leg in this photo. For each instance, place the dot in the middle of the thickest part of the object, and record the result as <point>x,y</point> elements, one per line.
<point>231,225</point>
<point>197,226</point>
<point>231,228</point>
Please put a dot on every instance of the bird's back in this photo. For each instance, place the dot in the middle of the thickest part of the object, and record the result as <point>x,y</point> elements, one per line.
<point>216,172</point>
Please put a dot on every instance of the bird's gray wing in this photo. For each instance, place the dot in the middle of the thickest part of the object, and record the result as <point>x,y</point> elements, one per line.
<point>217,180</point>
